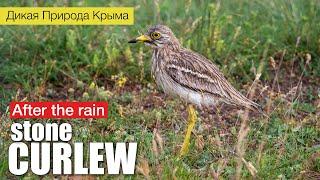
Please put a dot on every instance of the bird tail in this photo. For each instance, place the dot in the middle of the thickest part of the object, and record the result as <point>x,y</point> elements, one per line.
<point>255,107</point>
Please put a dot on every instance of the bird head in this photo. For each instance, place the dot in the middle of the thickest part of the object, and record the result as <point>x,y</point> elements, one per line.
<point>157,36</point>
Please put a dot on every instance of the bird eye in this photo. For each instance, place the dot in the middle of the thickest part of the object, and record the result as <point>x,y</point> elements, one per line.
<point>155,35</point>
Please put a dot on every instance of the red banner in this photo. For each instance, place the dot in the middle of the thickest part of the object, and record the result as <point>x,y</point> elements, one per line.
<point>19,110</point>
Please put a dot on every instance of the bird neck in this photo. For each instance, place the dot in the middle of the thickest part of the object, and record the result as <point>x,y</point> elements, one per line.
<point>174,44</point>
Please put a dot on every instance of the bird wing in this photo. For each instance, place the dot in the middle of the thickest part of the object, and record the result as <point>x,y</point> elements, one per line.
<point>193,71</point>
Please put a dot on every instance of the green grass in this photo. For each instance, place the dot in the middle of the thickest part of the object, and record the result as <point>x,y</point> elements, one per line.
<point>45,62</point>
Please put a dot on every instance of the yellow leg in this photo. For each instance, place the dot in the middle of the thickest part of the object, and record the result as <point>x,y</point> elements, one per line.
<point>192,118</point>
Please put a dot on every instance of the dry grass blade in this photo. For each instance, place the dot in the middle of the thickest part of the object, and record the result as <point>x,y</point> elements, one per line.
<point>253,171</point>
<point>159,140</point>
<point>199,143</point>
<point>157,143</point>
<point>243,132</point>
<point>143,168</point>
<point>155,148</point>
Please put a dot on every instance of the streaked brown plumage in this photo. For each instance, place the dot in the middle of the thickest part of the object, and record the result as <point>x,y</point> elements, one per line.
<point>180,71</point>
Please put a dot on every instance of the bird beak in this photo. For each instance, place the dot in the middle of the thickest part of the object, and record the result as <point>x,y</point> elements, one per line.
<point>142,38</point>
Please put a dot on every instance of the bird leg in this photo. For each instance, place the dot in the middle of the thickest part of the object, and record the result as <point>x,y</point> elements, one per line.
<point>192,118</point>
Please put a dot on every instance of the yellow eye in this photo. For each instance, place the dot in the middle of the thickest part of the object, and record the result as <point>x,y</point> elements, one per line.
<point>155,35</point>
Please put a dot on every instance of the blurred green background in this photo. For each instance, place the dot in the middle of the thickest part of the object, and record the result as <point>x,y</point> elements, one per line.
<point>279,39</point>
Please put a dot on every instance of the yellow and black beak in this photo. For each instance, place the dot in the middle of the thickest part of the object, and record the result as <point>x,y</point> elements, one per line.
<point>142,38</point>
